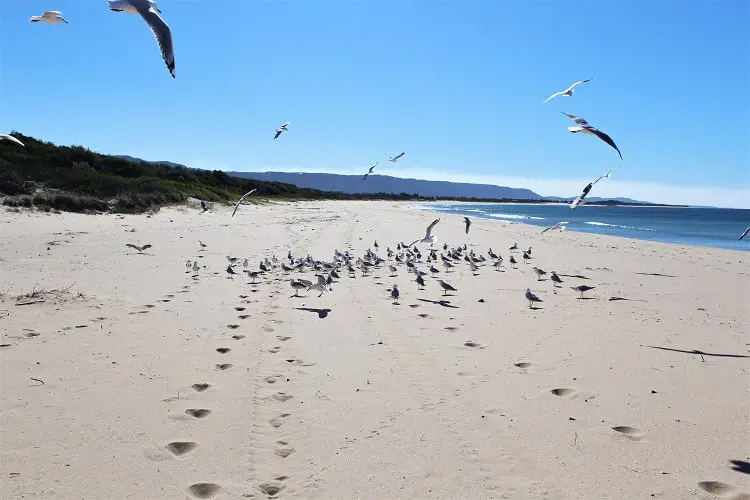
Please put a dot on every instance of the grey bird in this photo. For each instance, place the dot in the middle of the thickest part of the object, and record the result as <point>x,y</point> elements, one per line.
<point>395,294</point>
<point>230,271</point>
<point>555,279</point>
<point>539,273</point>
<point>446,287</point>
<point>467,221</point>
<point>140,249</point>
<point>297,286</point>
<point>513,262</point>
<point>420,281</point>
<point>582,288</point>
<point>745,233</point>
<point>531,298</point>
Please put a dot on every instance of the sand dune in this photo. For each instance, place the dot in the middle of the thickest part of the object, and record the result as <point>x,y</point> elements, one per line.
<point>124,376</point>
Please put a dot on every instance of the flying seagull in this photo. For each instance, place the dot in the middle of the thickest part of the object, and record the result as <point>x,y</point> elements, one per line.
<point>140,249</point>
<point>584,127</point>
<point>745,233</point>
<point>560,225</point>
<point>368,173</point>
<point>428,237</point>
<point>243,197</point>
<point>396,158</point>
<point>467,221</point>
<point>8,137</point>
<point>150,13</point>
<point>567,92</point>
<point>51,16</point>
<point>582,196</point>
<point>281,130</point>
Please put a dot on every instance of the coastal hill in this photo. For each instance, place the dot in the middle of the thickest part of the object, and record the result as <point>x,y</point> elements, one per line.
<point>352,184</point>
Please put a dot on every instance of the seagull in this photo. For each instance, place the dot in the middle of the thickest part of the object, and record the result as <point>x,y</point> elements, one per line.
<point>188,266</point>
<point>8,137</point>
<point>241,199</point>
<point>531,298</point>
<point>204,208</point>
<point>584,127</point>
<point>393,270</point>
<point>567,92</point>
<point>297,286</point>
<point>580,198</point>
<point>230,271</point>
<point>420,280</point>
<point>513,262</point>
<point>555,279</point>
<point>446,287</point>
<point>281,130</point>
<point>514,247</point>
<point>202,245</point>
<point>150,13</point>
<point>253,274</point>
<point>498,263</point>
<point>196,267</point>
<point>395,293</point>
<point>428,237</point>
<point>539,273</point>
<point>51,16</point>
<point>368,173</point>
<point>394,159</point>
<point>232,260</point>
<point>467,221</point>
<point>560,225</point>
<point>745,233</point>
<point>320,286</point>
<point>582,288</point>
<point>140,249</point>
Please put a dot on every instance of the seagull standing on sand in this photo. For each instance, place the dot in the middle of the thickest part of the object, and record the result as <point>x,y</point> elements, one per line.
<point>230,271</point>
<point>582,196</point>
<point>467,221</point>
<point>531,298</point>
<point>583,126</point>
<point>560,226</point>
<point>539,273</point>
<point>555,279</point>
<point>281,130</point>
<point>582,288</point>
<point>567,92</point>
<point>446,287</point>
<point>51,17</point>
<point>241,200</point>
<point>321,286</point>
<point>368,173</point>
<point>394,159</point>
<point>428,237</point>
<point>395,294</point>
<point>8,137</point>
<point>745,233</point>
<point>150,13</point>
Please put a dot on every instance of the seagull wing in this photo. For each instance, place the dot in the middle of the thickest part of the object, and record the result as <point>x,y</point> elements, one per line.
<point>132,246</point>
<point>278,133</point>
<point>551,227</point>
<point>745,233</point>
<point>241,199</point>
<point>601,135</point>
<point>146,247</point>
<point>399,156</point>
<point>553,96</point>
<point>577,83</point>
<point>11,139</point>
<point>161,31</point>
<point>429,229</point>
<point>52,13</point>
<point>578,200</point>
<point>580,121</point>
<point>467,221</point>
<point>365,177</point>
<point>605,176</point>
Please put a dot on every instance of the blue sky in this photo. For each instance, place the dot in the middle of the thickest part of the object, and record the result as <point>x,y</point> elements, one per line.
<point>458,85</point>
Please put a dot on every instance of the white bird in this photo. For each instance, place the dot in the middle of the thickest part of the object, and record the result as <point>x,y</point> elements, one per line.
<point>150,13</point>
<point>583,126</point>
<point>428,237</point>
<point>51,16</point>
<point>394,159</point>
<point>531,298</point>
<point>567,92</point>
<point>243,197</point>
<point>745,233</point>
<point>8,137</point>
<point>582,196</point>
<point>281,130</point>
<point>562,226</point>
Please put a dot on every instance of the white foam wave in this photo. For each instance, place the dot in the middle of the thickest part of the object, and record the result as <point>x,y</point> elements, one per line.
<point>514,216</point>
<point>596,223</point>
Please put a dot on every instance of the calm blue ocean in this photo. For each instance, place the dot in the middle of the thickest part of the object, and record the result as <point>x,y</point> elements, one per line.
<point>712,227</point>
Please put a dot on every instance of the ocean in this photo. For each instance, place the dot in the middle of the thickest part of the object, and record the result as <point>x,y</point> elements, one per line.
<point>711,227</point>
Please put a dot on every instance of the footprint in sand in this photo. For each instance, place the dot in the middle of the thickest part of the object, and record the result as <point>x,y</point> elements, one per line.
<point>424,315</point>
<point>169,296</point>
<point>204,490</point>
<point>271,379</point>
<point>222,350</point>
<point>451,328</point>
<point>473,344</point>
<point>31,334</point>
<point>165,300</point>
<point>272,488</point>
<point>198,412</point>
<point>239,308</point>
<point>233,327</point>
<point>282,397</point>
<point>283,450</point>
<point>413,306</point>
<point>629,432</point>
<point>564,392</point>
<point>279,420</point>
<point>4,346</point>
<point>722,490</point>
<point>238,337</point>
<point>283,338</point>
<point>243,316</point>
<point>150,306</point>
<point>524,365</point>
<point>268,329</point>
<point>200,387</point>
<point>274,349</point>
<point>180,448</point>
<point>224,366</point>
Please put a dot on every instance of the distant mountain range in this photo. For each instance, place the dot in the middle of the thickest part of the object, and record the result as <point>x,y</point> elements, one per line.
<point>352,184</point>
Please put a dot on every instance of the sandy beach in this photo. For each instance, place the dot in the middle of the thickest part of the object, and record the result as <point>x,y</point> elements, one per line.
<point>124,376</point>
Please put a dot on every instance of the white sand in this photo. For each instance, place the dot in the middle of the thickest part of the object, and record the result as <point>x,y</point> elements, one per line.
<point>386,401</point>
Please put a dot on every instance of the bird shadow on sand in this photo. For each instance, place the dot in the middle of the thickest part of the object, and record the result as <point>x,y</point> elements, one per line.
<point>657,274</point>
<point>139,253</point>
<point>740,466</point>
<point>586,298</point>
<point>444,303</point>
<point>578,276</point>
<point>322,313</point>
<point>700,353</point>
